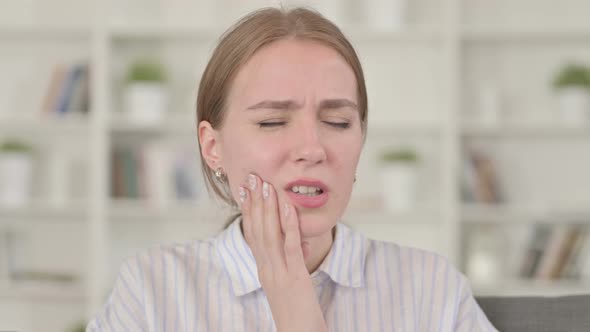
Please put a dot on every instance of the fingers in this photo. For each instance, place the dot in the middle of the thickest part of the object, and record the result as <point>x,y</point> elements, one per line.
<point>257,218</point>
<point>273,237</point>
<point>264,223</point>
<point>293,251</point>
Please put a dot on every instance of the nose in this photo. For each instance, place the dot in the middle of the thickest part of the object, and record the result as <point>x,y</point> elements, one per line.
<point>309,147</point>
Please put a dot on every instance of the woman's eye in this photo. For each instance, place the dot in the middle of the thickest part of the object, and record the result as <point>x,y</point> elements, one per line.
<point>342,125</point>
<point>270,124</point>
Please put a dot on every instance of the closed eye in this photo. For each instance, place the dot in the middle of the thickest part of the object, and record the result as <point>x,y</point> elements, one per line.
<point>270,124</point>
<point>342,125</point>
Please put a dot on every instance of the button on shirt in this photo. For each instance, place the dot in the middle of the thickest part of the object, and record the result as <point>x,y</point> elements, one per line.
<point>362,285</point>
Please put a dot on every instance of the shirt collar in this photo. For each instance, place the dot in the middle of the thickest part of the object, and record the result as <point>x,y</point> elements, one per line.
<point>237,259</point>
<point>344,264</point>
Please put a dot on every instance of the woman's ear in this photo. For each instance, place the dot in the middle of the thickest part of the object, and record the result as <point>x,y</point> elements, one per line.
<point>210,145</point>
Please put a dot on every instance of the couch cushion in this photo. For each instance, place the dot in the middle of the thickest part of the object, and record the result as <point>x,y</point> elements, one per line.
<point>538,314</point>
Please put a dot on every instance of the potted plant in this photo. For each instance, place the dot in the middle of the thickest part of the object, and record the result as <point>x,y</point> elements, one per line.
<point>572,84</point>
<point>146,97</point>
<point>399,173</point>
<point>16,170</point>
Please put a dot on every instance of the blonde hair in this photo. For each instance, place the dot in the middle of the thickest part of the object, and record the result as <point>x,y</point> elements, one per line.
<point>240,42</point>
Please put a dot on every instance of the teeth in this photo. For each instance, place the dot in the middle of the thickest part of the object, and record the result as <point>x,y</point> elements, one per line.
<point>305,189</point>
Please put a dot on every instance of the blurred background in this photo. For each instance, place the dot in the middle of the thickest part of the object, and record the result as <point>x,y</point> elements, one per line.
<point>478,143</point>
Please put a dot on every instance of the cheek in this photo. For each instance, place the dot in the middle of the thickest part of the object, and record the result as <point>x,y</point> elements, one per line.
<point>247,156</point>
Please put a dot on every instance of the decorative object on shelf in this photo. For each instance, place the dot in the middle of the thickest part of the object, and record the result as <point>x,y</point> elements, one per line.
<point>385,15</point>
<point>485,255</point>
<point>16,171</point>
<point>399,173</point>
<point>146,96</point>
<point>572,84</point>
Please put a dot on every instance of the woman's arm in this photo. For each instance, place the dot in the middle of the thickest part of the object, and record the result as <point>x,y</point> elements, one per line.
<point>124,310</point>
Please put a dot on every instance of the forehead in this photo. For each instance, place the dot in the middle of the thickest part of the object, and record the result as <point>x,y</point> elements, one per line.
<point>289,67</point>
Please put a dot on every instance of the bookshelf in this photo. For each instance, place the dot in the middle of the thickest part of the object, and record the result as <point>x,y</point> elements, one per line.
<point>423,84</point>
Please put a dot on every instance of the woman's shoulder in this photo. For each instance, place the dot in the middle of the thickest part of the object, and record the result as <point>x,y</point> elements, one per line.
<point>417,260</point>
<point>175,255</point>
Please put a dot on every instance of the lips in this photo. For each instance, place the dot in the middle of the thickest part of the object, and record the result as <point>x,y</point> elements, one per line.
<point>304,200</point>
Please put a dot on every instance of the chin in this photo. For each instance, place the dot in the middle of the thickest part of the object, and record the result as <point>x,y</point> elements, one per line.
<point>316,224</point>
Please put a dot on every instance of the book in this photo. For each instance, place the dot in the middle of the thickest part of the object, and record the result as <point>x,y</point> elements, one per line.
<point>536,248</point>
<point>573,265</point>
<point>68,90</point>
<point>53,90</point>
<point>556,251</point>
<point>480,181</point>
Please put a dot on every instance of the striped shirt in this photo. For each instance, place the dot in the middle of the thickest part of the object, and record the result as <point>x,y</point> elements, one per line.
<point>362,285</point>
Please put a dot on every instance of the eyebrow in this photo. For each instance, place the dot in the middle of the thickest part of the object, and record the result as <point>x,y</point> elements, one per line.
<point>291,104</point>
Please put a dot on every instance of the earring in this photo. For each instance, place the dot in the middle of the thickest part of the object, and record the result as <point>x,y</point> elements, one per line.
<point>219,174</point>
<point>354,179</point>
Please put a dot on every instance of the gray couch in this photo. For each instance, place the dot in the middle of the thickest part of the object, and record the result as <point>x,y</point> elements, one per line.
<point>538,314</point>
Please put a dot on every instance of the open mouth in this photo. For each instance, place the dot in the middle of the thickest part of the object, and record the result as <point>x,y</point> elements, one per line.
<point>309,191</point>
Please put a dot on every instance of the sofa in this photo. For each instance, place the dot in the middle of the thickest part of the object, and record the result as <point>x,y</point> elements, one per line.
<point>538,314</point>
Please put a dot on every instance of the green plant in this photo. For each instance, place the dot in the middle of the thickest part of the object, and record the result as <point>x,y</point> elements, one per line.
<point>404,155</point>
<point>78,327</point>
<point>572,75</point>
<point>14,146</point>
<point>146,71</point>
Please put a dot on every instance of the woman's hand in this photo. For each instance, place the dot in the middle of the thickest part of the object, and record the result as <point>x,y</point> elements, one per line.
<point>272,232</point>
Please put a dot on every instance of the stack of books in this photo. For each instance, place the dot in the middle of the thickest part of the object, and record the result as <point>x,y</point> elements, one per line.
<point>68,90</point>
<point>160,173</point>
<point>556,252</point>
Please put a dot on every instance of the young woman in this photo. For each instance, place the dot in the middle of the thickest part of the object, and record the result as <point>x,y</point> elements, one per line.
<point>282,118</point>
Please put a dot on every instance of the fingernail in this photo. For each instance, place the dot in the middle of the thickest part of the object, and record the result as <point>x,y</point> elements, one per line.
<point>242,193</point>
<point>265,190</point>
<point>252,181</point>
<point>286,209</point>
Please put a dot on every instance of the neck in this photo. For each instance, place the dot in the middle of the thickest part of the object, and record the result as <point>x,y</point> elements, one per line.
<point>317,250</point>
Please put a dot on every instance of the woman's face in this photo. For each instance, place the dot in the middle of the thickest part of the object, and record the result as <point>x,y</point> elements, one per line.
<point>292,117</point>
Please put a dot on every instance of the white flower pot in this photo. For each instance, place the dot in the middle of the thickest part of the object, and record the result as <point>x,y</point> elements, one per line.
<point>386,15</point>
<point>574,106</point>
<point>16,170</point>
<point>399,181</point>
<point>146,102</point>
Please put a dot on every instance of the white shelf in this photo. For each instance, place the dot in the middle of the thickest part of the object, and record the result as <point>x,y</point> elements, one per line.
<point>408,35</point>
<point>512,214</point>
<point>74,211</point>
<point>532,288</point>
<point>44,32</point>
<point>125,210</point>
<point>357,33</point>
<point>371,210</point>
<point>42,292</point>
<point>405,128</point>
<point>145,31</point>
<point>45,126</point>
<point>486,213</point>
<point>549,130</point>
<point>170,126</point>
<point>541,33</point>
